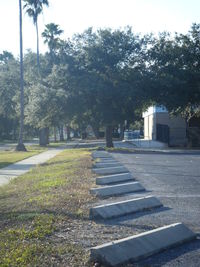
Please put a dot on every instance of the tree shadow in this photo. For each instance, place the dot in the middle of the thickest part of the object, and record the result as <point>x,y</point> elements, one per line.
<point>32,213</point>
<point>173,253</point>
<point>168,174</point>
<point>160,153</point>
<point>4,164</point>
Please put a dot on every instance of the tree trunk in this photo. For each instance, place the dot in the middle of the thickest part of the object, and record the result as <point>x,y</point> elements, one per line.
<point>54,132</point>
<point>38,51</point>
<point>20,146</point>
<point>68,133</point>
<point>14,131</point>
<point>121,131</point>
<point>61,133</point>
<point>44,136</point>
<point>189,142</point>
<point>96,131</point>
<point>83,134</point>
<point>47,134</point>
<point>76,134</point>
<point>109,142</point>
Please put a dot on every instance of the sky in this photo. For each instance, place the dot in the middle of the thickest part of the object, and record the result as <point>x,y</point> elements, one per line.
<point>75,16</point>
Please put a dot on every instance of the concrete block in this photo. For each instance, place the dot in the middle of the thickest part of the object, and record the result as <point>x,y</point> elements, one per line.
<point>106,160</point>
<point>110,170</point>
<point>101,154</point>
<point>143,245</point>
<point>114,178</point>
<point>106,164</point>
<point>122,208</point>
<point>118,189</point>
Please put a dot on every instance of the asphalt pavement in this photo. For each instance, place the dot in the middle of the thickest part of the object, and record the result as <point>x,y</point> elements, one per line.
<point>174,178</point>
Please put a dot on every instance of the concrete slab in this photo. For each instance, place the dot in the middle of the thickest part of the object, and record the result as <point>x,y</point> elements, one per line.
<point>114,178</point>
<point>106,159</point>
<point>119,189</point>
<point>143,245</point>
<point>110,170</point>
<point>122,208</point>
<point>101,154</point>
<point>106,164</point>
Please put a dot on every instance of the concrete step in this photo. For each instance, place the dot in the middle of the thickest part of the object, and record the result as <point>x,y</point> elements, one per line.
<point>106,164</point>
<point>143,245</point>
<point>122,208</point>
<point>101,154</point>
<point>106,160</point>
<point>110,170</point>
<point>115,190</point>
<point>114,178</point>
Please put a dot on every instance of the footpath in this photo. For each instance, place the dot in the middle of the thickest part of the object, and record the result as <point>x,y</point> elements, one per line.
<point>21,167</point>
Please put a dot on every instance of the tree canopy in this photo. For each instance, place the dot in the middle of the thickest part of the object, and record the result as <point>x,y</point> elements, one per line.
<point>102,78</point>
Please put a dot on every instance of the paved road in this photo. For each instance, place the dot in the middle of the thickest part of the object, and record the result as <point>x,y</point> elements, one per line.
<point>175,179</point>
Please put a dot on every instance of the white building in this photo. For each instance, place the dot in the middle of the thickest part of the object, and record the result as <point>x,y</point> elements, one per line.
<point>160,126</point>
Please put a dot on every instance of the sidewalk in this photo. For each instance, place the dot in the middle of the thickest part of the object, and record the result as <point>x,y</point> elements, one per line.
<point>170,150</point>
<point>21,167</point>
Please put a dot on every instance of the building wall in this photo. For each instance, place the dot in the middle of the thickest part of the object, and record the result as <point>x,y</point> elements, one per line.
<point>162,118</point>
<point>177,131</point>
<point>177,126</point>
<point>148,127</point>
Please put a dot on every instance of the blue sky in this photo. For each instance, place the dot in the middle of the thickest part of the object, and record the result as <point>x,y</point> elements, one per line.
<point>76,15</point>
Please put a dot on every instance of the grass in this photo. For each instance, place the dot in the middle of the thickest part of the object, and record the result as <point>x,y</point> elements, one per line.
<point>57,144</point>
<point>43,212</point>
<point>9,157</point>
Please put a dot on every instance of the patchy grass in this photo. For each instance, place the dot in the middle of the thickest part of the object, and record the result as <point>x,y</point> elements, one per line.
<point>9,157</point>
<point>57,144</point>
<point>44,212</point>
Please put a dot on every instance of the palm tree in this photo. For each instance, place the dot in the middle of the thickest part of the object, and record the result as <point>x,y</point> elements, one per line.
<point>34,9</point>
<point>20,146</point>
<point>51,38</point>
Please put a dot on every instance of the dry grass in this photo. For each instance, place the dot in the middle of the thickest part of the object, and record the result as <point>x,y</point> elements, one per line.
<point>44,215</point>
<point>36,206</point>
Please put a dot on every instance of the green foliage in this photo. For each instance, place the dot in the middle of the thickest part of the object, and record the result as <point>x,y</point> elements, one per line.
<point>15,248</point>
<point>9,95</point>
<point>34,8</point>
<point>106,73</point>
<point>45,106</point>
<point>101,78</point>
<point>51,38</point>
<point>175,71</point>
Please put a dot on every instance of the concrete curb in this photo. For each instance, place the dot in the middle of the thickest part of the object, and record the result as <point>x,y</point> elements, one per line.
<point>143,245</point>
<point>114,178</point>
<point>106,160</point>
<point>122,208</point>
<point>111,170</point>
<point>114,190</point>
<point>106,164</point>
<point>101,154</point>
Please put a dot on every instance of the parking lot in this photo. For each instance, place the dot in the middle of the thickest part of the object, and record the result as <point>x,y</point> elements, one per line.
<point>174,178</point>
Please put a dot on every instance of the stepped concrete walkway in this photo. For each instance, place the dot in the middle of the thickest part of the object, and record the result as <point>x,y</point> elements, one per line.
<point>21,167</point>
